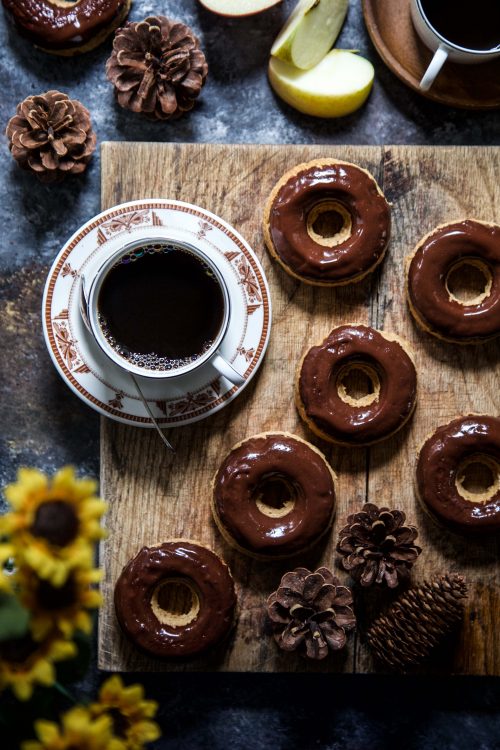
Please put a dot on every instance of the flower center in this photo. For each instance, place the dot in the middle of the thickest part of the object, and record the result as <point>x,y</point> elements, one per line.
<point>120,722</point>
<point>53,598</point>
<point>18,650</point>
<point>56,522</point>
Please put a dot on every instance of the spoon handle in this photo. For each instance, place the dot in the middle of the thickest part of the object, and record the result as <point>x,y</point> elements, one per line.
<point>148,409</point>
<point>85,316</point>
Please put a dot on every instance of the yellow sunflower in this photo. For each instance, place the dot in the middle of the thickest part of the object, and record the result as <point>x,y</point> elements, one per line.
<point>25,663</point>
<point>130,712</point>
<point>5,586</point>
<point>62,608</point>
<point>53,523</point>
<point>78,731</point>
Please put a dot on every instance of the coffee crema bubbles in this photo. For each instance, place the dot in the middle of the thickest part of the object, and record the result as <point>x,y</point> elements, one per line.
<point>160,307</point>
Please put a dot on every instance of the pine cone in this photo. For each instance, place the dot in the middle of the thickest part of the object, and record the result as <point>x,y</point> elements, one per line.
<point>51,135</point>
<point>311,612</point>
<point>376,546</point>
<point>157,67</point>
<point>416,622</point>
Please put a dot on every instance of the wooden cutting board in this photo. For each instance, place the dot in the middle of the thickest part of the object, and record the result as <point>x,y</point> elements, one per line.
<point>154,496</point>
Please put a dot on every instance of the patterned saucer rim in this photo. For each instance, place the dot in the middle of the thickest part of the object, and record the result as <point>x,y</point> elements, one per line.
<point>71,356</point>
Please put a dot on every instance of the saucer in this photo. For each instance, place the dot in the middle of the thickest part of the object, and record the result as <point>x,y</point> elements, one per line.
<point>391,30</point>
<point>101,383</point>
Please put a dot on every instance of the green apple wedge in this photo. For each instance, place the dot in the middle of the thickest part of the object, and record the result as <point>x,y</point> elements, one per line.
<point>310,32</point>
<point>337,86</point>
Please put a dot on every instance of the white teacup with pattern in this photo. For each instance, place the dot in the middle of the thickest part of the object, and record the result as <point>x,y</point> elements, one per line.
<point>93,284</point>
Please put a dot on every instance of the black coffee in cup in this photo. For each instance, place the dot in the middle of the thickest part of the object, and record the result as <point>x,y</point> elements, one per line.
<point>473,25</point>
<point>161,306</point>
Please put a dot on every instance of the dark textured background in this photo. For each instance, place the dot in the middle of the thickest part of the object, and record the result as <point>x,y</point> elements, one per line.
<point>44,425</point>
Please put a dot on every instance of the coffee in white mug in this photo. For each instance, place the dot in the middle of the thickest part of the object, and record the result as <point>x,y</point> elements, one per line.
<point>458,31</point>
<point>471,25</point>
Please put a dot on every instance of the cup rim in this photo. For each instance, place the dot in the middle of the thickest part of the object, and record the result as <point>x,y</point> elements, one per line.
<point>92,299</point>
<point>453,44</point>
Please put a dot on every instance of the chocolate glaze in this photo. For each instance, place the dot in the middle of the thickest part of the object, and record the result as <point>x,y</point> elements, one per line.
<point>437,466</point>
<point>358,193</point>
<point>269,457</point>
<point>427,275</point>
<point>60,27</point>
<point>211,580</point>
<point>357,425</point>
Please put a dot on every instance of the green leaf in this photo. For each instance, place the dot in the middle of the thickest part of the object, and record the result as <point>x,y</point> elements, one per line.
<point>14,618</point>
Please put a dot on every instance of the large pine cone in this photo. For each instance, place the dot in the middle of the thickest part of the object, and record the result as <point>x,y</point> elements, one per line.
<point>417,621</point>
<point>157,67</point>
<point>51,135</point>
<point>377,546</point>
<point>311,612</point>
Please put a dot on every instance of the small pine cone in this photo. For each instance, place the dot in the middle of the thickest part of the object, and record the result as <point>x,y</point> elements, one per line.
<point>376,546</point>
<point>417,621</point>
<point>311,612</point>
<point>157,67</point>
<point>51,135</point>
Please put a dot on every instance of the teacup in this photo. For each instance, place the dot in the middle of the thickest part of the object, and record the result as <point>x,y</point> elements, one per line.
<point>462,33</point>
<point>159,367</point>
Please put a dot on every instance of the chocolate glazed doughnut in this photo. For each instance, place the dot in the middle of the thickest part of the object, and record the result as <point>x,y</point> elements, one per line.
<point>142,588</point>
<point>273,495</point>
<point>67,28</point>
<point>327,223</point>
<point>322,395</point>
<point>463,247</point>
<point>452,454</point>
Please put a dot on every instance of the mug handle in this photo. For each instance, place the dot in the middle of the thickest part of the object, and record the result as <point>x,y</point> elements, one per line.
<point>227,370</point>
<point>435,65</point>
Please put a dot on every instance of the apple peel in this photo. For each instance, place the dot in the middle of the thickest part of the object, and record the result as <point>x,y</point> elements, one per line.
<point>310,32</point>
<point>336,87</point>
<point>238,8</point>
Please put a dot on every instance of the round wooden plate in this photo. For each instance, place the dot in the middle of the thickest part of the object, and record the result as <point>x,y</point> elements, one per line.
<point>391,30</point>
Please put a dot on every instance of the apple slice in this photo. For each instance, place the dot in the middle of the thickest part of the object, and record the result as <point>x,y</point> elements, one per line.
<point>238,7</point>
<point>337,86</point>
<point>310,32</point>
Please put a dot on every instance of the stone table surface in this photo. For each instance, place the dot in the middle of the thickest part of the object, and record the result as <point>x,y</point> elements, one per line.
<point>45,425</point>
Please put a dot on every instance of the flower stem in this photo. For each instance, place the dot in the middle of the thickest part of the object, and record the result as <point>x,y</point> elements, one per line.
<point>65,692</point>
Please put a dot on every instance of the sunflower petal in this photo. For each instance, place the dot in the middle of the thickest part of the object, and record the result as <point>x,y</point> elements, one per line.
<point>47,731</point>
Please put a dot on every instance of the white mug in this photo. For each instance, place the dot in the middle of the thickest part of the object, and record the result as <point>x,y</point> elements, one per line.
<point>444,49</point>
<point>90,294</point>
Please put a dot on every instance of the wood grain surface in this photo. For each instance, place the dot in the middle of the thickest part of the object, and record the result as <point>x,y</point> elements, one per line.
<point>154,496</point>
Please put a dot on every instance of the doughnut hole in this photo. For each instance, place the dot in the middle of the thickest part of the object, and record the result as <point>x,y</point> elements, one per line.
<point>329,223</point>
<point>175,602</point>
<point>478,478</point>
<point>469,281</point>
<point>357,384</point>
<point>275,496</point>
